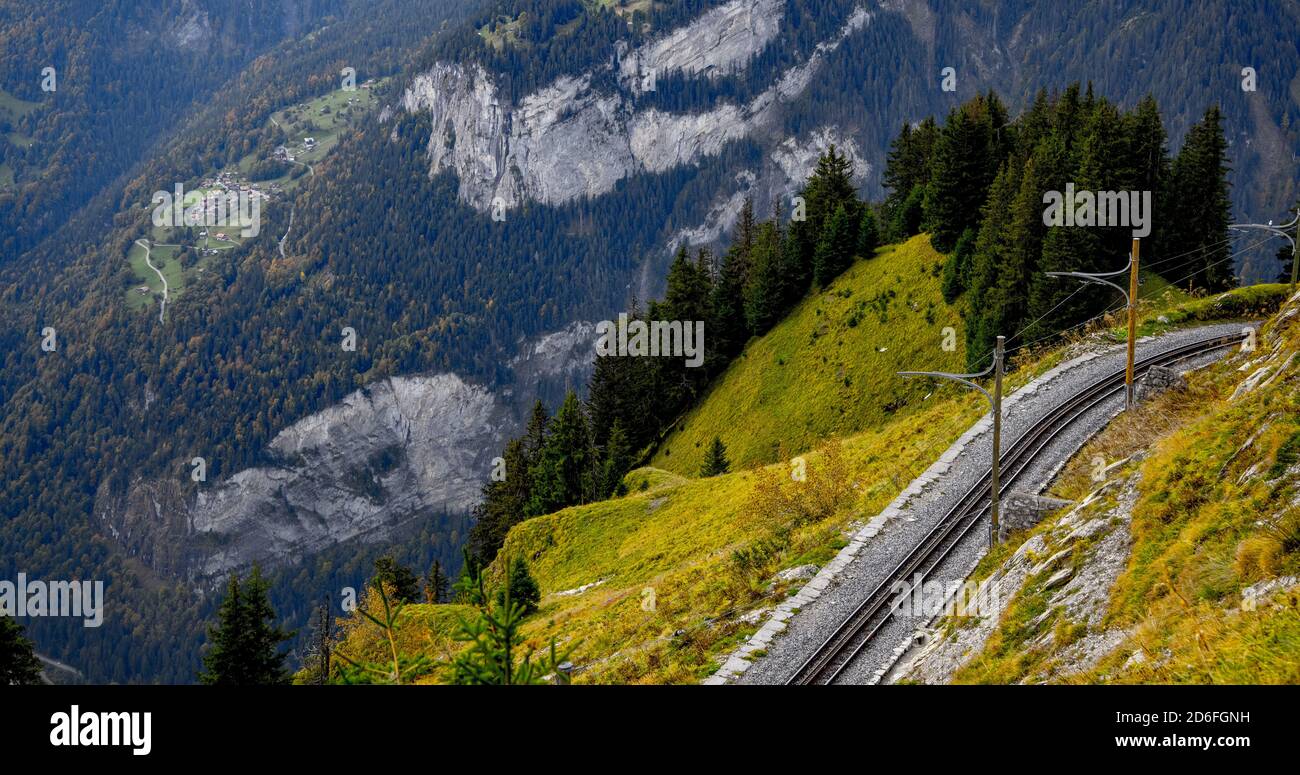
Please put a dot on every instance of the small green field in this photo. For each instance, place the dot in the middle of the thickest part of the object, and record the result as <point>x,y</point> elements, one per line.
<point>167,258</point>
<point>501,32</point>
<point>324,119</point>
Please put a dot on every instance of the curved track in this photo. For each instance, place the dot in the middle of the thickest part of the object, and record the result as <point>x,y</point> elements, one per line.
<point>857,630</point>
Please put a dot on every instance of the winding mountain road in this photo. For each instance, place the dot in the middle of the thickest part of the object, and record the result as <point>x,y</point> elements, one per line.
<point>287,230</point>
<point>147,252</point>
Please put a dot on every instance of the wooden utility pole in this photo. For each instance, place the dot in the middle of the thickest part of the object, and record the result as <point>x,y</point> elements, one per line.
<point>998,352</point>
<point>1130,297</point>
<point>995,403</point>
<point>1132,323</point>
<point>1295,257</point>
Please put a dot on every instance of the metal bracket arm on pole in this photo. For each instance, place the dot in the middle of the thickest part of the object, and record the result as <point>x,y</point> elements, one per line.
<point>1099,278</point>
<point>964,379</point>
<point>1130,298</point>
<point>995,404</point>
<point>1283,232</point>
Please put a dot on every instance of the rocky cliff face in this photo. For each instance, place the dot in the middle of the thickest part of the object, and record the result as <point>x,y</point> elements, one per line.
<point>386,456</point>
<point>720,41</point>
<point>572,139</point>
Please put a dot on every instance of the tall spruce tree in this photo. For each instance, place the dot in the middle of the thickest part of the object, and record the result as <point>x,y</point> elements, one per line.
<point>907,170</point>
<point>715,459</point>
<point>730,328</point>
<point>982,300</point>
<point>965,161</point>
<point>771,289</point>
<point>616,461</point>
<point>436,583</point>
<point>245,641</point>
<point>909,217</point>
<point>957,267</point>
<point>829,187</point>
<point>560,476</point>
<point>835,248</point>
<point>503,504</point>
<point>1202,207</point>
<point>868,233</point>
<point>1147,168</point>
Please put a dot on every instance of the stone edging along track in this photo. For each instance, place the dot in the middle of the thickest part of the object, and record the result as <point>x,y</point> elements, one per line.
<point>739,661</point>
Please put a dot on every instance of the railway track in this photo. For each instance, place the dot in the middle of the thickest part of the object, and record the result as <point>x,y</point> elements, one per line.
<point>857,630</point>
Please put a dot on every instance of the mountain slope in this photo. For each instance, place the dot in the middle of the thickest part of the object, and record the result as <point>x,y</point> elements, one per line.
<point>830,367</point>
<point>393,235</point>
<point>655,586</point>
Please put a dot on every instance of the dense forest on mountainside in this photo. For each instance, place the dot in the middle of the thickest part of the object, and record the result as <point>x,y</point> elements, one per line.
<point>75,278</point>
<point>582,454</point>
<point>979,184</point>
<point>550,38</point>
<point>289,362</point>
<point>123,73</point>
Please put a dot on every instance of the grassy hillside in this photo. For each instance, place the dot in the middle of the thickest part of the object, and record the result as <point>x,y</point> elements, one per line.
<point>829,367</point>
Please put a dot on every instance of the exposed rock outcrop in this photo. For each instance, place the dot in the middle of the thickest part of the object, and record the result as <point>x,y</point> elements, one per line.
<point>572,139</point>
<point>397,451</point>
<point>722,40</point>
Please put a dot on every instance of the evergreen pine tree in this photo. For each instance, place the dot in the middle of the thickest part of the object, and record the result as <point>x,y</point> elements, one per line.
<point>616,463</point>
<point>504,503</point>
<point>561,472</point>
<point>983,284</point>
<point>834,249</point>
<point>715,460</point>
<point>964,163</point>
<point>909,215</point>
<point>1147,168</point>
<point>770,286</point>
<point>956,269</point>
<point>907,170</point>
<point>524,591</point>
<point>689,288</point>
<point>535,433</point>
<point>868,234</point>
<point>829,187</point>
<point>731,329</point>
<point>401,582</point>
<point>1203,208</point>
<point>436,584</point>
<point>18,661</point>
<point>245,642</point>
